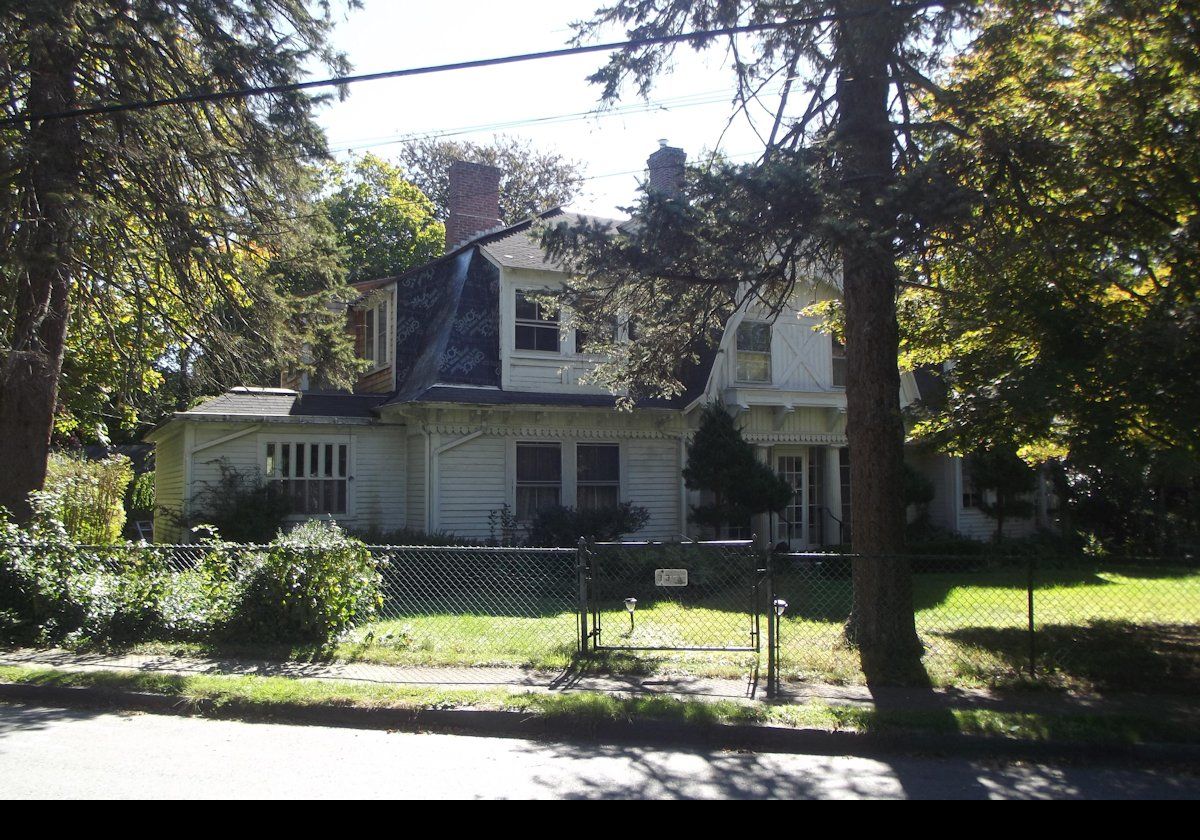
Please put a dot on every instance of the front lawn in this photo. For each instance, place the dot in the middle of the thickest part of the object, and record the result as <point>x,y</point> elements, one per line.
<point>1115,627</point>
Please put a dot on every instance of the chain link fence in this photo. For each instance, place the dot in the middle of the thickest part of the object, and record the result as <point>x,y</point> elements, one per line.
<point>475,606</point>
<point>674,596</point>
<point>1121,624</point>
<point>1085,621</point>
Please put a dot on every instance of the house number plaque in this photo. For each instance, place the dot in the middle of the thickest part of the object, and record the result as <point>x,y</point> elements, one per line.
<point>670,577</point>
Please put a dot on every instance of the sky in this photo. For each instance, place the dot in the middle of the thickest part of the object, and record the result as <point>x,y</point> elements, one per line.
<point>688,107</point>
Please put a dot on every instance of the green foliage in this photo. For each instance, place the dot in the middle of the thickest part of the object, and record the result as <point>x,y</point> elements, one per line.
<point>41,598</point>
<point>141,493</point>
<point>722,463</point>
<point>87,497</point>
<point>307,586</point>
<point>1067,291</point>
<point>562,527</point>
<point>1009,479</point>
<point>918,488</point>
<point>242,507</point>
<point>384,223</point>
<point>530,180</point>
<point>204,263</point>
<point>504,527</point>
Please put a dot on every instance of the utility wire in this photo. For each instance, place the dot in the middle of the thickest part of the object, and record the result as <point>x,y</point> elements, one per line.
<point>631,43</point>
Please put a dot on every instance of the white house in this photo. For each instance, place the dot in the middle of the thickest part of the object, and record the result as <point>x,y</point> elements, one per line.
<point>477,398</point>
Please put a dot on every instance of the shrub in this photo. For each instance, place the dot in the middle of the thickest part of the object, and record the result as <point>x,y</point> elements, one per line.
<point>722,463</point>
<point>87,497</point>
<point>42,596</point>
<point>308,586</point>
<point>563,527</point>
<point>124,602</point>
<point>242,507</point>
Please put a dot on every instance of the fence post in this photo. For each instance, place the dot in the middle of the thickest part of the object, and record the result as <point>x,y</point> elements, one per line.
<point>581,571</point>
<point>1032,635</point>
<point>772,630</point>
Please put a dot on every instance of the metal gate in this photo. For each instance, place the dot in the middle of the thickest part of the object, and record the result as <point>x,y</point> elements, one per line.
<point>671,596</point>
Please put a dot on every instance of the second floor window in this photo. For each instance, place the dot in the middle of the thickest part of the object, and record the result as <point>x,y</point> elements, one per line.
<point>839,364</point>
<point>536,324</point>
<point>375,334</point>
<point>754,352</point>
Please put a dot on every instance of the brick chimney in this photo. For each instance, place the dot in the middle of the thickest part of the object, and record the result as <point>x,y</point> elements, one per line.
<point>474,201</point>
<point>666,170</point>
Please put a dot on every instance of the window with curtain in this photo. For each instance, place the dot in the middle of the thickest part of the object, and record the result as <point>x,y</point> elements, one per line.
<point>539,478</point>
<point>598,475</point>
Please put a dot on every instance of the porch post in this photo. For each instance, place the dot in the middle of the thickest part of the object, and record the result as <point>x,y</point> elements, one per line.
<point>833,496</point>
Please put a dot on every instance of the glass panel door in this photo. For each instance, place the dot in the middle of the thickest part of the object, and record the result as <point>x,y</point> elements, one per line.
<point>792,519</point>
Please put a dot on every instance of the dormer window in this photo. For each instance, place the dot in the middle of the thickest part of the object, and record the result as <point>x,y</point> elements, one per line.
<point>754,352</point>
<point>839,364</point>
<point>536,324</point>
<point>375,334</point>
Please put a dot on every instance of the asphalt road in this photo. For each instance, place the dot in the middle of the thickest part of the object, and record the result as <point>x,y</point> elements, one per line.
<point>55,753</point>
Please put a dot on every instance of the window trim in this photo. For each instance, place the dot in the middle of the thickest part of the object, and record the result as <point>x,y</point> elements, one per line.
<point>544,324</point>
<point>973,498</point>
<point>517,483</point>
<point>615,484</point>
<point>738,351</point>
<point>266,439</point>
<point>371,320</point>
<point>568,494</point>
<point>834,367</point>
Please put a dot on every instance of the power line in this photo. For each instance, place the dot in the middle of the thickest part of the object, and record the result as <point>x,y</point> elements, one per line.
<point>263,90</point>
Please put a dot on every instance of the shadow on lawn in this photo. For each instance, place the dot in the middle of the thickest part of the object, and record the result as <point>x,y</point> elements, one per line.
<point>1103,656</point>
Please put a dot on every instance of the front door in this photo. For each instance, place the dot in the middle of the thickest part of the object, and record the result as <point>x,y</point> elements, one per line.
<point>792,528</point>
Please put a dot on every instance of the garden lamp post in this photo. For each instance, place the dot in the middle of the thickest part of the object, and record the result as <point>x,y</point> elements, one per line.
<point>630,606</point>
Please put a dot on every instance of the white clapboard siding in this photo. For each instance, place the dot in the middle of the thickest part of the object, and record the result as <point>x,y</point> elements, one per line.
<point>415,476</point>
<point>378,489</point>
<point>653,483</point>
<point>470,485</point>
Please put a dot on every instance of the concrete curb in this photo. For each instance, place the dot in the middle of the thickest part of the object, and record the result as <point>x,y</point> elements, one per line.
<point>743,737</point>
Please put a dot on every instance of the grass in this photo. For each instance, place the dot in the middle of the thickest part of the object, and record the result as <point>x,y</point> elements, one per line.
<point>258,697</point>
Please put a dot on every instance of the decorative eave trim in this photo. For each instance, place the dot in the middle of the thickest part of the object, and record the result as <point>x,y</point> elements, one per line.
<point>550,432</point>
<point>796,437</point>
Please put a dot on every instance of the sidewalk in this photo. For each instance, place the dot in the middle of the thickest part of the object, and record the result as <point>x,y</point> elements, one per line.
<point>517,680</point>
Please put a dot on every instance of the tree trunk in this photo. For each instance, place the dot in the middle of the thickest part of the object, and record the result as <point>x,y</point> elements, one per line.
<point>881,622</point>
<point>38,323</point>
